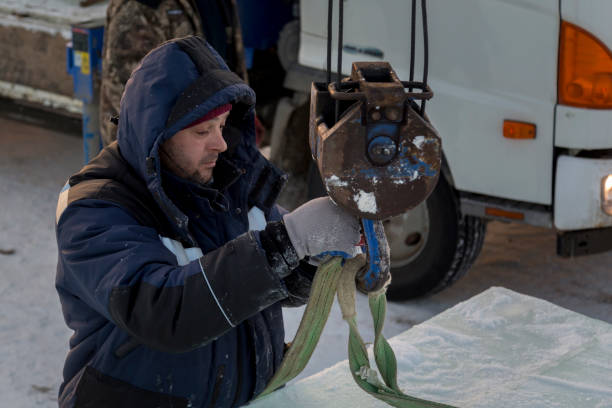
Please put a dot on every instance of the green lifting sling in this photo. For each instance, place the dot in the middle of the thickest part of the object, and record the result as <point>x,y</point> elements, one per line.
<point>330,279</point>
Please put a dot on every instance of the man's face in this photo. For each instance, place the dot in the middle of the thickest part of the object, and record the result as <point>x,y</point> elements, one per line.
<point>192,152</point>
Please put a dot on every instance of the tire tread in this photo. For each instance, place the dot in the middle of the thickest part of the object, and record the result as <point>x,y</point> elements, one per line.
<point>472,231</point>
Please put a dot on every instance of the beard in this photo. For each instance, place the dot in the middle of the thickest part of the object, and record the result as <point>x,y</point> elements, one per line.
<point>203,176</point>
<point>175,161</point>
<point>200,178</point>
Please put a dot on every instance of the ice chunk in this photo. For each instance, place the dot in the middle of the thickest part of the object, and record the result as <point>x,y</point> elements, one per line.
<point>499,348</point>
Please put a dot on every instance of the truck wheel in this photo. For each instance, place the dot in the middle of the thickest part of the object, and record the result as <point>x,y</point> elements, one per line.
<point>432,245</point>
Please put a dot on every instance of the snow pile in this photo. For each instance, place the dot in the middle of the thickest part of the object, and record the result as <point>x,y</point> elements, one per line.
<point>57,11</point>
<point>47,99</point>
<point>498,349</point>
<point>49,16</point>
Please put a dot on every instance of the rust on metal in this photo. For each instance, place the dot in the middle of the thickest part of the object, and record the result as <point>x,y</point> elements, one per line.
<point>381,158</point>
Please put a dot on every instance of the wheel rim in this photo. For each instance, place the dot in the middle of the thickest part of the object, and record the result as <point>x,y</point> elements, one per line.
<point>407,235</point>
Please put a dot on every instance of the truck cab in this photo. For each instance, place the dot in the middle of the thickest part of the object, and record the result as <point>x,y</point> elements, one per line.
<point>522,99</point>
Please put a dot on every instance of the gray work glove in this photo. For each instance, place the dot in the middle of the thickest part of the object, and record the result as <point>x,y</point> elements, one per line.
<point>320,227</point>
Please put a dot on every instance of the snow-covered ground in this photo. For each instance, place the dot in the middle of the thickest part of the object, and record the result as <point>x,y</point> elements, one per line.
<point>34,164</point>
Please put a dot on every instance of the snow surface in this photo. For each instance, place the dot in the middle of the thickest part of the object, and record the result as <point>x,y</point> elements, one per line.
<point>418,141</point>
<point>55,11</point>
<point>335,181</point>
<point>49,16</point>
<point>498,349</point>
<point>366,202</point>
<point>48,99</point>
<point>34,164</point>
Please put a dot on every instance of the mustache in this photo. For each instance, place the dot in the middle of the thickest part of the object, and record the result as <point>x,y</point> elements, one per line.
<point>208,159</point>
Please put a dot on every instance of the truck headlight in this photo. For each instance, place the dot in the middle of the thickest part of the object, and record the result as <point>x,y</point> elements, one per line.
<point>606,194</point>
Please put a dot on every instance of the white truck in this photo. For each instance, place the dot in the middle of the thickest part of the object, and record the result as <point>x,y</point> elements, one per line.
<point>522,103</point>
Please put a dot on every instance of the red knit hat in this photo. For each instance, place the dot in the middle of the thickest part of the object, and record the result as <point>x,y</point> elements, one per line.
<point>213,113</point>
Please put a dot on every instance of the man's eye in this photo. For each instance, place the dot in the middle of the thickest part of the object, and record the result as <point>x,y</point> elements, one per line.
<point>202,133</point>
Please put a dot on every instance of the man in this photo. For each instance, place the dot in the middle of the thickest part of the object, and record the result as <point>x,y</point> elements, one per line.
<point>135,27</point>
<point>173,259</point>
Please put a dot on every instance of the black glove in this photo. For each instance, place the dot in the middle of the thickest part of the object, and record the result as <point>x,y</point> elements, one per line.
<point>297,275</point>
<point>298,284</point>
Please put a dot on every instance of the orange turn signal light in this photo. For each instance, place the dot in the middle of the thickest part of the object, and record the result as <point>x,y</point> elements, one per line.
<point>498,212</point>
<point>585,69</point>
<point>519,130</point>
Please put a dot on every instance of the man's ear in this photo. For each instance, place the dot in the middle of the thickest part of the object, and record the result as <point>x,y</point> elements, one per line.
<point>233,137</point>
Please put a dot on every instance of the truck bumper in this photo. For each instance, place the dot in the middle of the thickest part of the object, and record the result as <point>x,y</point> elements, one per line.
<point>578,193</point>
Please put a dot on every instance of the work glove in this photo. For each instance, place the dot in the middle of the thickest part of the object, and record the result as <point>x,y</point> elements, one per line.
<point>319,227</point>
<point>298,285</point>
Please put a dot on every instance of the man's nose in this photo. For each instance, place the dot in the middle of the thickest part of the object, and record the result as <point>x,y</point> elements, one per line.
<point>220,144</point>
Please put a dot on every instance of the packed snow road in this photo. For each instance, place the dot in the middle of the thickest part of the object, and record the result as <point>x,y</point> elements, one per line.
<point>35,163</point>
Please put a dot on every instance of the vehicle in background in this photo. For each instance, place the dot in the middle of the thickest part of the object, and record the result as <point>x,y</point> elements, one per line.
<point>522,99</point>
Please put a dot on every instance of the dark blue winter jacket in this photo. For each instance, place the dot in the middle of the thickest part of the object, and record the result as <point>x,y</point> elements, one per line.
<point>172,293</point>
